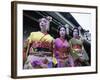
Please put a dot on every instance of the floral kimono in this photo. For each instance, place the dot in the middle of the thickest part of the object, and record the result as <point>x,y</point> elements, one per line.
<point>78,52</point>
<point>39,43</point>
<point>61,52</point>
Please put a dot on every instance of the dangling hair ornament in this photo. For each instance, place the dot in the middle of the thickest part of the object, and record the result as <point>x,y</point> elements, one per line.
<point>49,18</point>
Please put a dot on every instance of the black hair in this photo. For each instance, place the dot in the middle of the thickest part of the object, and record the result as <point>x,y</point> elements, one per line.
<point>61,26</point>
<point>49,18</point>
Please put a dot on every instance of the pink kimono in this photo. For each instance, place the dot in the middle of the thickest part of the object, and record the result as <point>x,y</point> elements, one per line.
<point>62,53</point>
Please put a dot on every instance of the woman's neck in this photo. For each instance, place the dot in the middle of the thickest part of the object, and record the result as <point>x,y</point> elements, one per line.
<point>76,37</point>
<point>44,32</point>
<point>62,38</point>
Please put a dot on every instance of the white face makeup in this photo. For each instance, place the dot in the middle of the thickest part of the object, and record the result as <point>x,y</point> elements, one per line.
<point>44,24</point>
<point>75,33</point>
<point>62,32</point>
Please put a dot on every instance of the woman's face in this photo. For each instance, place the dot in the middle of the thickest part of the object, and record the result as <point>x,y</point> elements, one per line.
<point>75,33</point>
<point>44,24</point>
<point>62,32</point>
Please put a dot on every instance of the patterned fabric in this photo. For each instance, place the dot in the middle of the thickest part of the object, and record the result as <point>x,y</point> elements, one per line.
<point>61,51</point>
<point>39,36</point>
<point>77,51</point>
<point>39,42</point>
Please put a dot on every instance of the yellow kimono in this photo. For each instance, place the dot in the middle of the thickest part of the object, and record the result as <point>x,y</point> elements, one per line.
<point>39,39</point>
<point>37,36</point>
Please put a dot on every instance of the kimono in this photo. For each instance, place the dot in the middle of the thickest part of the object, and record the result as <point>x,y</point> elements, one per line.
<point>39,44</point>
<point>61,52</point>
<point>78,52</point>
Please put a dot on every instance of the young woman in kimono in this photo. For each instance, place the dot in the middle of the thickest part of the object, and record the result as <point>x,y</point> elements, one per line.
<point>77,50</point>
<point>39,46</point>
<point>62,49</point>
